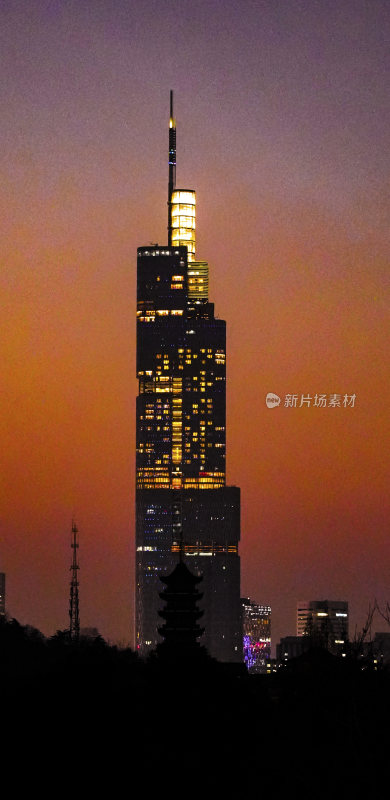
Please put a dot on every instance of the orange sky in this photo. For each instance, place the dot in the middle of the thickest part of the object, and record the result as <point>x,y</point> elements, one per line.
<point>290,179</point>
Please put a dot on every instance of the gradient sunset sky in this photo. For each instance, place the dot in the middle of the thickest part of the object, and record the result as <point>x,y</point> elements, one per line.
<point>282,112</point>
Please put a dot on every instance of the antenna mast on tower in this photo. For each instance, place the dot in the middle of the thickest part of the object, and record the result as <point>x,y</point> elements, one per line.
<point>74,626</point>
<point>171,166</point>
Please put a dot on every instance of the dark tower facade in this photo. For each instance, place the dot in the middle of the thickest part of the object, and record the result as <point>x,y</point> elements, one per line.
<point>182,501</point>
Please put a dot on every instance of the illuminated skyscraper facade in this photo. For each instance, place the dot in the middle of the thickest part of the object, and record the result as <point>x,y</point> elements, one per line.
<point>256,624</point>
<point>182,501</point>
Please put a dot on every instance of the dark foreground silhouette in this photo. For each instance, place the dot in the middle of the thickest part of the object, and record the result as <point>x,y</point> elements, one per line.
<point>171,724</point>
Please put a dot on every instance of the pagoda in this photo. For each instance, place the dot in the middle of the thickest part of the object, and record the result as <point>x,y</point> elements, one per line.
<point>181,614</point>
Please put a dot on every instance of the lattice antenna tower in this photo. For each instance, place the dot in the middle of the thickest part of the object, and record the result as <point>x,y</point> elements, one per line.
<point>74,618</point>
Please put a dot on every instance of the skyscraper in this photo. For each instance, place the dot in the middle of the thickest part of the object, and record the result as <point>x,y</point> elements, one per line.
<point>325,621</point>
<point>182,501</point>
<point>256,636</point>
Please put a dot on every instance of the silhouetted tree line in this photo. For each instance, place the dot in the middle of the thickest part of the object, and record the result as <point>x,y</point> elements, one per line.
<point>319,727</point>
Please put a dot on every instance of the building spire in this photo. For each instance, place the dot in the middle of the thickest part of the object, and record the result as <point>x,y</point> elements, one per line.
<point>171,166</point>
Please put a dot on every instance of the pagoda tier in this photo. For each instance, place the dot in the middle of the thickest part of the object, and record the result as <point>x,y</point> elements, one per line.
<point>180,630</point>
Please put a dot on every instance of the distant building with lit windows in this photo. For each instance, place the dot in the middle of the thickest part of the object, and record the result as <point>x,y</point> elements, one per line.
<point>182,501</point>
<point>381,648</point>
<point>256,624</point>
<point>291,647</point>
<point>325,621</point>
